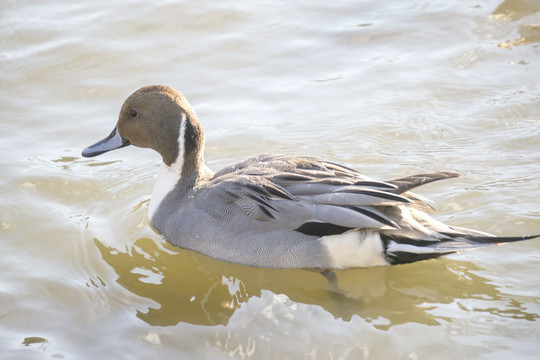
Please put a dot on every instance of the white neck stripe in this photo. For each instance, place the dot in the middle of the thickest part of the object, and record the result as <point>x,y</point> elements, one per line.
<point>168,175</point>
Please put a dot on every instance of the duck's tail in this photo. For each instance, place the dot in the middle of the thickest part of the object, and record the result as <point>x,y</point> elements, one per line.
<point>404,250</point>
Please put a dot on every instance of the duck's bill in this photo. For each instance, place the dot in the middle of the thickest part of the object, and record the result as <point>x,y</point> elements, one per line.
<point>111,142</point>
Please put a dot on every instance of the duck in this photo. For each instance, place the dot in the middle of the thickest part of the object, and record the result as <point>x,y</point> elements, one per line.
<point>279,211</point>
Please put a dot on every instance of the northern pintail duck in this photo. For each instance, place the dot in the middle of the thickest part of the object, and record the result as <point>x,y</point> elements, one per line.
<point>276,210</point>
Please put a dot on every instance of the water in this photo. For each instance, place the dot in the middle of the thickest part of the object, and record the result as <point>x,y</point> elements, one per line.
<point>391,88</point>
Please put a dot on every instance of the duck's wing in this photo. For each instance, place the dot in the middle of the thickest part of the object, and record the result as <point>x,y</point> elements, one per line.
<point>299,194</point>
<point>227,196</point>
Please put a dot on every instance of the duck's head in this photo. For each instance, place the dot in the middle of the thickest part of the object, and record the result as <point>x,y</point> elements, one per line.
<point>156,117</point>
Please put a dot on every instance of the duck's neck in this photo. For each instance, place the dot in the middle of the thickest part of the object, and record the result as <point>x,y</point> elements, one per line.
<point>176,179</point>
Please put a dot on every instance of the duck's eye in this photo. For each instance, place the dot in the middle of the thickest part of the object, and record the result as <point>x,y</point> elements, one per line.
<point>132,113</point>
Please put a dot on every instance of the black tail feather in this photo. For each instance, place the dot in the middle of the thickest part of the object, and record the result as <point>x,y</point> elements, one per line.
<point>403,257</point>
<point>497,239</point>
<point>405,250</point>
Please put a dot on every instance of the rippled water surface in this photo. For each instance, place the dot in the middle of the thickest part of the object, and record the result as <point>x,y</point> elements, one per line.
<point>388,87</point>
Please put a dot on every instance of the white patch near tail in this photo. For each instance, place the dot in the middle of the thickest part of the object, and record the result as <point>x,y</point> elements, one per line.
<point>357,248</point>
<point>168,176</point>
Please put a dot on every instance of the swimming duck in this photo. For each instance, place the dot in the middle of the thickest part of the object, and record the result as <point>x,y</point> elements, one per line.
<point>278,211</point>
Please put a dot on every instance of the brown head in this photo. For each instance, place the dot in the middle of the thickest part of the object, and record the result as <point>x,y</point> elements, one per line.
<point>154,117</point>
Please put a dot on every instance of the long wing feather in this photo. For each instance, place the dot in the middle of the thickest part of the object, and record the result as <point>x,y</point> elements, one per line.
<point>307,190</point>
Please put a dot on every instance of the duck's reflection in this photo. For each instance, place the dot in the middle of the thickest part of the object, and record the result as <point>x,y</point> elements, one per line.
<point>193,288</point>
